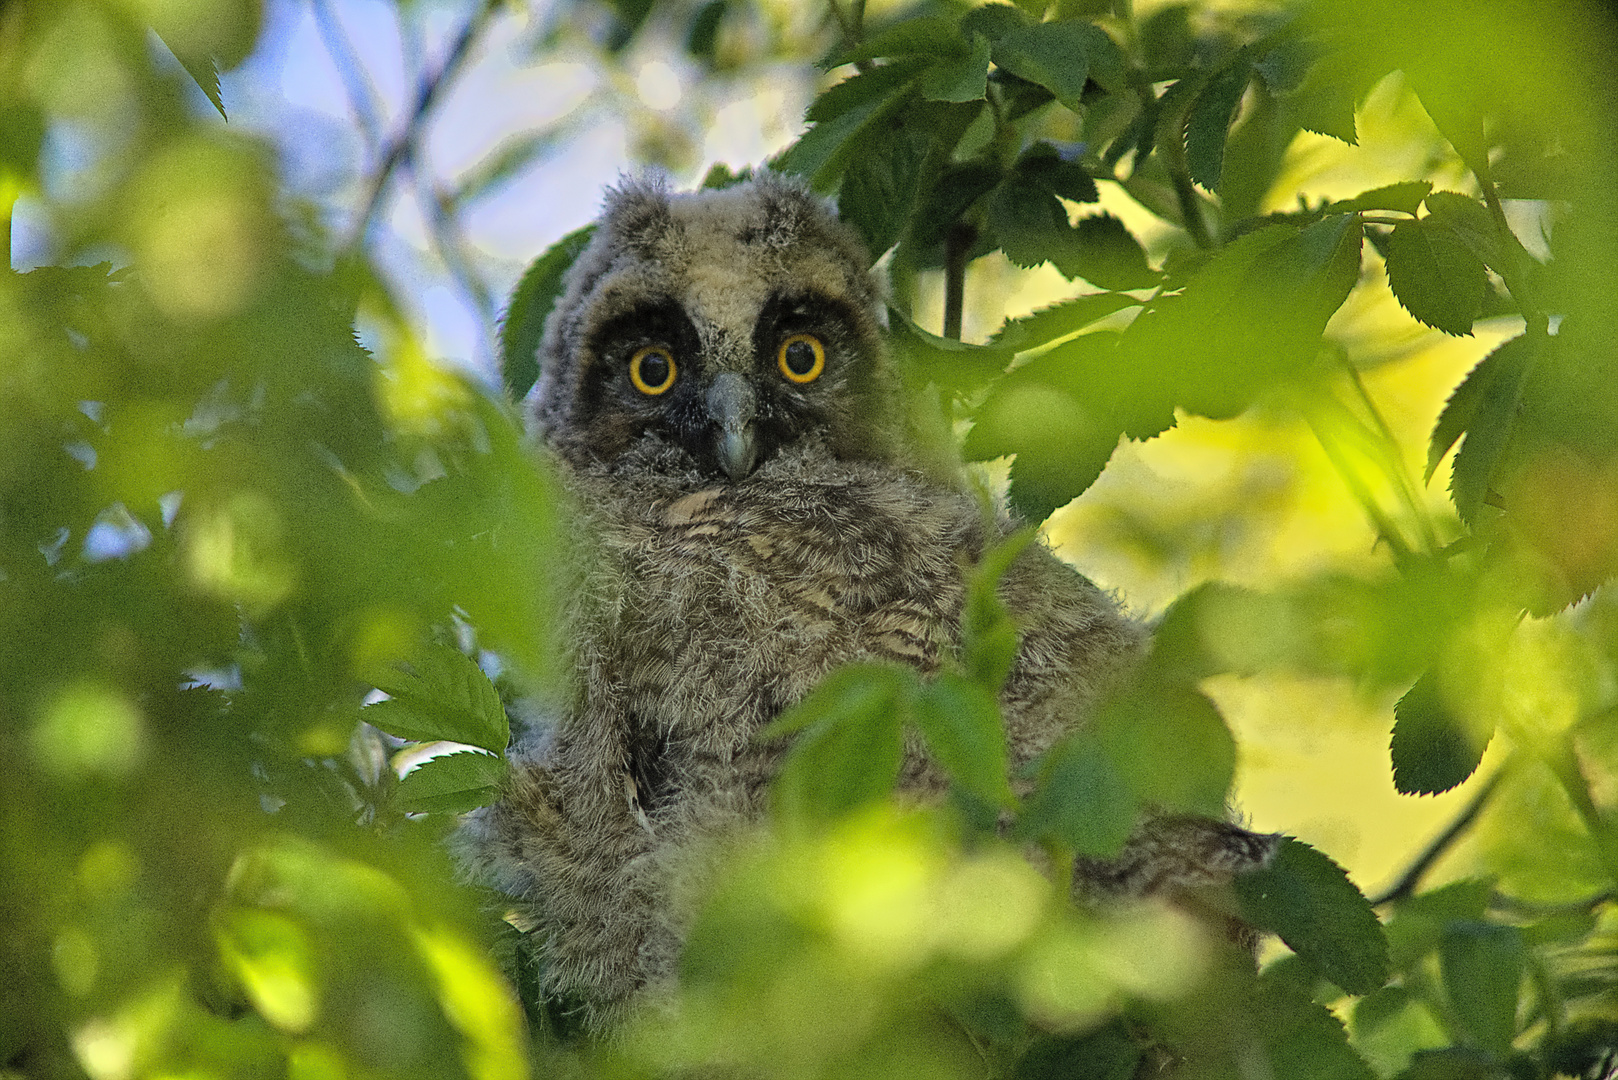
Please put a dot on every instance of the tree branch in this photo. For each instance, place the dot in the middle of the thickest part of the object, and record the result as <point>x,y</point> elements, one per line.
<point>1406,884</point>
<point>402,146</point>
<point>957,245</point>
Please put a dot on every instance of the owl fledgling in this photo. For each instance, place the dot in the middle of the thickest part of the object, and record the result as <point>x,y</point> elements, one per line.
<point>715,389</point>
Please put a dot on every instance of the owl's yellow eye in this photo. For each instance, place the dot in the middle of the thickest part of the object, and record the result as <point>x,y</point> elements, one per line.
<point>652,369</point>
<point>801,358</point>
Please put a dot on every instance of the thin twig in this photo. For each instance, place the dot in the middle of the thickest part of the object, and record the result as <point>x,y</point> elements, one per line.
<point>1406,884</point>
<point>402,146</point>
<point>357,84</point>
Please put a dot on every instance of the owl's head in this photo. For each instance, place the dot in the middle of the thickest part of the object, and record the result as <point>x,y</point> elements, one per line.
<point>716,329</point>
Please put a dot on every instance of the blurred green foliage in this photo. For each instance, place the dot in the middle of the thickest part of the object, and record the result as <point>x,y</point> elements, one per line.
<point>224,527</point>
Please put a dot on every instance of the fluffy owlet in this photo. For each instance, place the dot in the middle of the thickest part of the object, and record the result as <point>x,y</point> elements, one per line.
<point>715,389</point>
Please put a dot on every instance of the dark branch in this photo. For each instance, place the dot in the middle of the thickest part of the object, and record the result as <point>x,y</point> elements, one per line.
<point>402,147</point>
<point>1405,886</point>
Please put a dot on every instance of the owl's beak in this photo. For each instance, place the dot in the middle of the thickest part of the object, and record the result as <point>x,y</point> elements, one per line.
<point>731,404</point>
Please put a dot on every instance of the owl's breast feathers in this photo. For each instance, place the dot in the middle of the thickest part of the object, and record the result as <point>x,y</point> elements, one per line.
<point>723,604</point>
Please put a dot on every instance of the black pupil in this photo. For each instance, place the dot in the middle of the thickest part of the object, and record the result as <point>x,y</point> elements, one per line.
<point>654,369</point>
<point>800,358</point>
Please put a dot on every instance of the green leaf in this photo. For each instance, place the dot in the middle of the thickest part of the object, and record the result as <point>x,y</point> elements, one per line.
<point>1171,747</point>
<point>531,304</point>
<point>1414,931</point>
<point>1483,965</point>
<point>1404,197</point>
<point>1490,413</point>
<point>442,694</point>
<point>993,21</point>
<point>1208,123</point>
<point>1111,1052</point>
<point>825,151</point>
<point>864,88</point>
<point>204,71</point>
<point>1248,318</point>
<point>1052,412</point>
<point>849,745</point>
<point>1469,221</point>
<point>1433,750</point>
<point>928,35</point>
<point>451,784</point>
<point>1055,55</point>
<point>1453,1063</point>
<point>988,637</point>
<point>1081,800</point>
<point>1028,220</point>
<point>959,79</point>
<point>1324,103</point>
<point>1307,900</point>
<point>1435,276</point>
<point>960,721</point>
<point>941,360</point>
<point>1302,1037</point>
<point>1107,255</point>
<point>1059,320</point>
<point>878,192</point>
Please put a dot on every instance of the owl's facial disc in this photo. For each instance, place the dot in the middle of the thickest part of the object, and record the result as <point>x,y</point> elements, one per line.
<point>732,404</point>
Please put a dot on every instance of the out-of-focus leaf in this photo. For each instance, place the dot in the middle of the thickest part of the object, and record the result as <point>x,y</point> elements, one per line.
<point>1054,414</point>
<point>443,694</point>
<point>849,745</point>
<point>1251,316</point>
<point>1108,1053</point>
<point>1307,900</point>
<point>1404,197</point>
<point>451,784</point>
<point>960,720</point>
<point>1081,800</point>
<point>1108,255</point>
<point>1059,320</point>
<point>1482,964</point>
<point>1301,1037</point>
<point>959,79</point>
<point>1208,123</point>
<point>1435,276</point>
<point>702,37</point>
<point>531,304</point>
<point>988,636</point>
<point>1488,414</point>
<point>1453,1063</point>
<point>1433,750</point>
<point>941,360</point>
<point>1417,924</point>
<point>1172,748</point>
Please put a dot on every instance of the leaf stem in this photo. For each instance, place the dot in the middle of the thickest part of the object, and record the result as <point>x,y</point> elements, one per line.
<point>1406,883</point>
